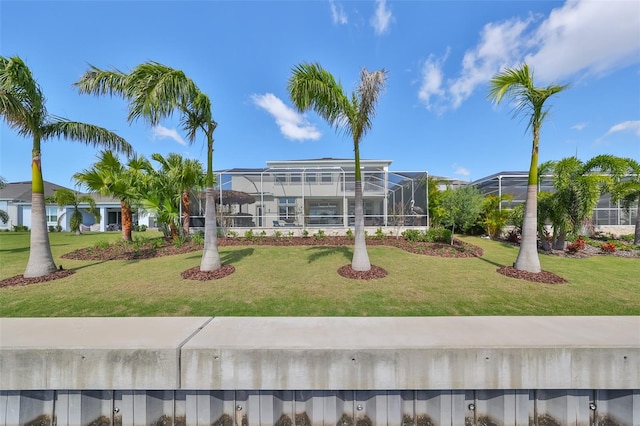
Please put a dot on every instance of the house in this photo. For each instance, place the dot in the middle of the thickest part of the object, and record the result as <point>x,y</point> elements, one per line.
<point>607,216</point>
<point>321,193</point>
<point>15,199</point>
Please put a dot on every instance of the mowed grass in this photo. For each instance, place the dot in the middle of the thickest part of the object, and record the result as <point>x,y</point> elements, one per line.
<point>302,281</point>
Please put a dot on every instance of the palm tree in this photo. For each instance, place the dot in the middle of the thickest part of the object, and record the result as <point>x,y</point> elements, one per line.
<point>109,177</point>
<point>627,191</point>
<point>312,87</point>
<point>4,216</point>
<point>186,174</point>
<point>154,91</point>
<point>578,187</point>
<point>22,106</point>
<point>626,188</point>
<point>66,197</point>
<point>517,84</point>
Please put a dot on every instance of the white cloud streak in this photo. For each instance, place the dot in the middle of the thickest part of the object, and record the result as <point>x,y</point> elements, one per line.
<point>382,18</point>
<point>626,126</point>
<point>461,171</point>
<point>581,38</point>
<point>292,125</point>
<point>160,132</point>
<point>338,15</point>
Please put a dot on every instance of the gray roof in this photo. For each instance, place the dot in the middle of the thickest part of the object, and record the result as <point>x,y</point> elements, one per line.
<point>21,191</point>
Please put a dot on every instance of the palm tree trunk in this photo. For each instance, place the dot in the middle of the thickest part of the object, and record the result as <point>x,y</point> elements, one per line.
<point>528,259</point>
<point>210,256</point>
<point>636,238</point>
<point>40,258</point>
<point>186,205</point>
<point>360,260</point>
<point>127,221</point>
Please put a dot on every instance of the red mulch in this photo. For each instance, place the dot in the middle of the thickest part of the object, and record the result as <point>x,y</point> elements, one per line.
<point>198,275</point>
<point>20,280</point>
<point>374,273</point>
<point>545,277</point>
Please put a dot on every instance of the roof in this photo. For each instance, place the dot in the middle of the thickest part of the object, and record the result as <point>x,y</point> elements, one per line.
<point>21,191</point>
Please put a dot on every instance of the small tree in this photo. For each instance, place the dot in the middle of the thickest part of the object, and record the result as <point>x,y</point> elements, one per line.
<point>493,217</point>
<point>462,207</point>
<point>4,216</point>
<point>66,197</point>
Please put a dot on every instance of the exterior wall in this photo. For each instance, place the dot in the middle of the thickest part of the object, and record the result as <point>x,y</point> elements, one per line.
<point>310,407</point>
<point>479,371</point>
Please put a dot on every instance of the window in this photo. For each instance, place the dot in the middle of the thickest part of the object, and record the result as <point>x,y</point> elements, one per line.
<point>325,178</point>
<point>286,208</point>
<point>295,178</point>
<point>52,214</point>
<point>311,178</point>
<point>281,178</point>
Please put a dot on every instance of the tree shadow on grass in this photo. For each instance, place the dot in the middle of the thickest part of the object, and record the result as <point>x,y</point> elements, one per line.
<point>227,257</point>
<point>318,252</point>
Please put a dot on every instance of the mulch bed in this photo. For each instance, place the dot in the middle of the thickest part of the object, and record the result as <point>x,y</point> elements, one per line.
<point>20,280</point>
<point>122,251</point>
<point>545,277</point>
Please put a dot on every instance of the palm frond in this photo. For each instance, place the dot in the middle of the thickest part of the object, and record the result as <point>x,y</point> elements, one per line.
<point>88,134</point>
<point>102,82</point>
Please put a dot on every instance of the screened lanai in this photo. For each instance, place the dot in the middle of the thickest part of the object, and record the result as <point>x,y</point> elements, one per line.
<point>321,193</point>
<point>515,184</point>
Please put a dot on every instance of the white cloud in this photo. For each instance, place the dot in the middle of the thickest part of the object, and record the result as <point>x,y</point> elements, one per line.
<point>432,78</point>
<point>579,126</point>
<point>337,13</point>
<point>500,45</point>
<point>626,126</point>
<point>382,18</point>
<point>160,132</point>
<point>461,171</point>
<point>580,38</point>
<point>292,125</point>
<point>585,36</point>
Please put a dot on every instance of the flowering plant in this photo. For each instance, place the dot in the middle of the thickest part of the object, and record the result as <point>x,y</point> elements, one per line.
<point>576,246</point>
<point>608,247</point>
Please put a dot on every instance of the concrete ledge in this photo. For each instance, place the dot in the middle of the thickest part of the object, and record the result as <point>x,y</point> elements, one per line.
<point>93,353</point>
<point>333,353</point>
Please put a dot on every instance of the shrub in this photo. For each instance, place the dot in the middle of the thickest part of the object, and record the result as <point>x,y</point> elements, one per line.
<point>52,228</point>
<point>20,228</point>
<point>277,234</point>
<point>438,235</point>
<point>608,247</point>
<point>249,235</point>
<point>319,235</point>
<point>101,244</point>
<point>349,233</point>
<point>305,233</point>
<point>379,234</point>
<point>198,237</point>
<point>232,234</point>
<point>412,235</point>
<point>179,242</point>
<point>576,246</point>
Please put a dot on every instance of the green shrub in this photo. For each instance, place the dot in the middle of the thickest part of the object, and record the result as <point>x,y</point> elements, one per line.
<point>20,228</point>
<point>438,235</point>
<point>198,237</point>
<point>101,244</point>
<point>249,235</point>
<point>319,235</point>
<point>52,228</point>
<point>305,233</point>
<point>277,234</point>
<point>379,234</point>
<point>412,235</point>
<point>232,234</point>
<point>349,233</point>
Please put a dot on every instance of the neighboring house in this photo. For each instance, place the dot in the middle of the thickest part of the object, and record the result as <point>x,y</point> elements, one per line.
<point>15,199</point>
<point>606,216</point>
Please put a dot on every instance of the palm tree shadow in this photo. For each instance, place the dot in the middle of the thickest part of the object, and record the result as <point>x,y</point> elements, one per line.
<point>318,252</point>
<point>235,256</point>
<point>499,265</point>
<point>231,256</point>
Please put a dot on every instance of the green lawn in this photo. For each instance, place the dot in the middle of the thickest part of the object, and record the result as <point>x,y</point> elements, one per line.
<point>302,281</point>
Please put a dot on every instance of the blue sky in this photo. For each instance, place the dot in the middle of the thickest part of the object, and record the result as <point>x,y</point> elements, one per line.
<point>434,114</point>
